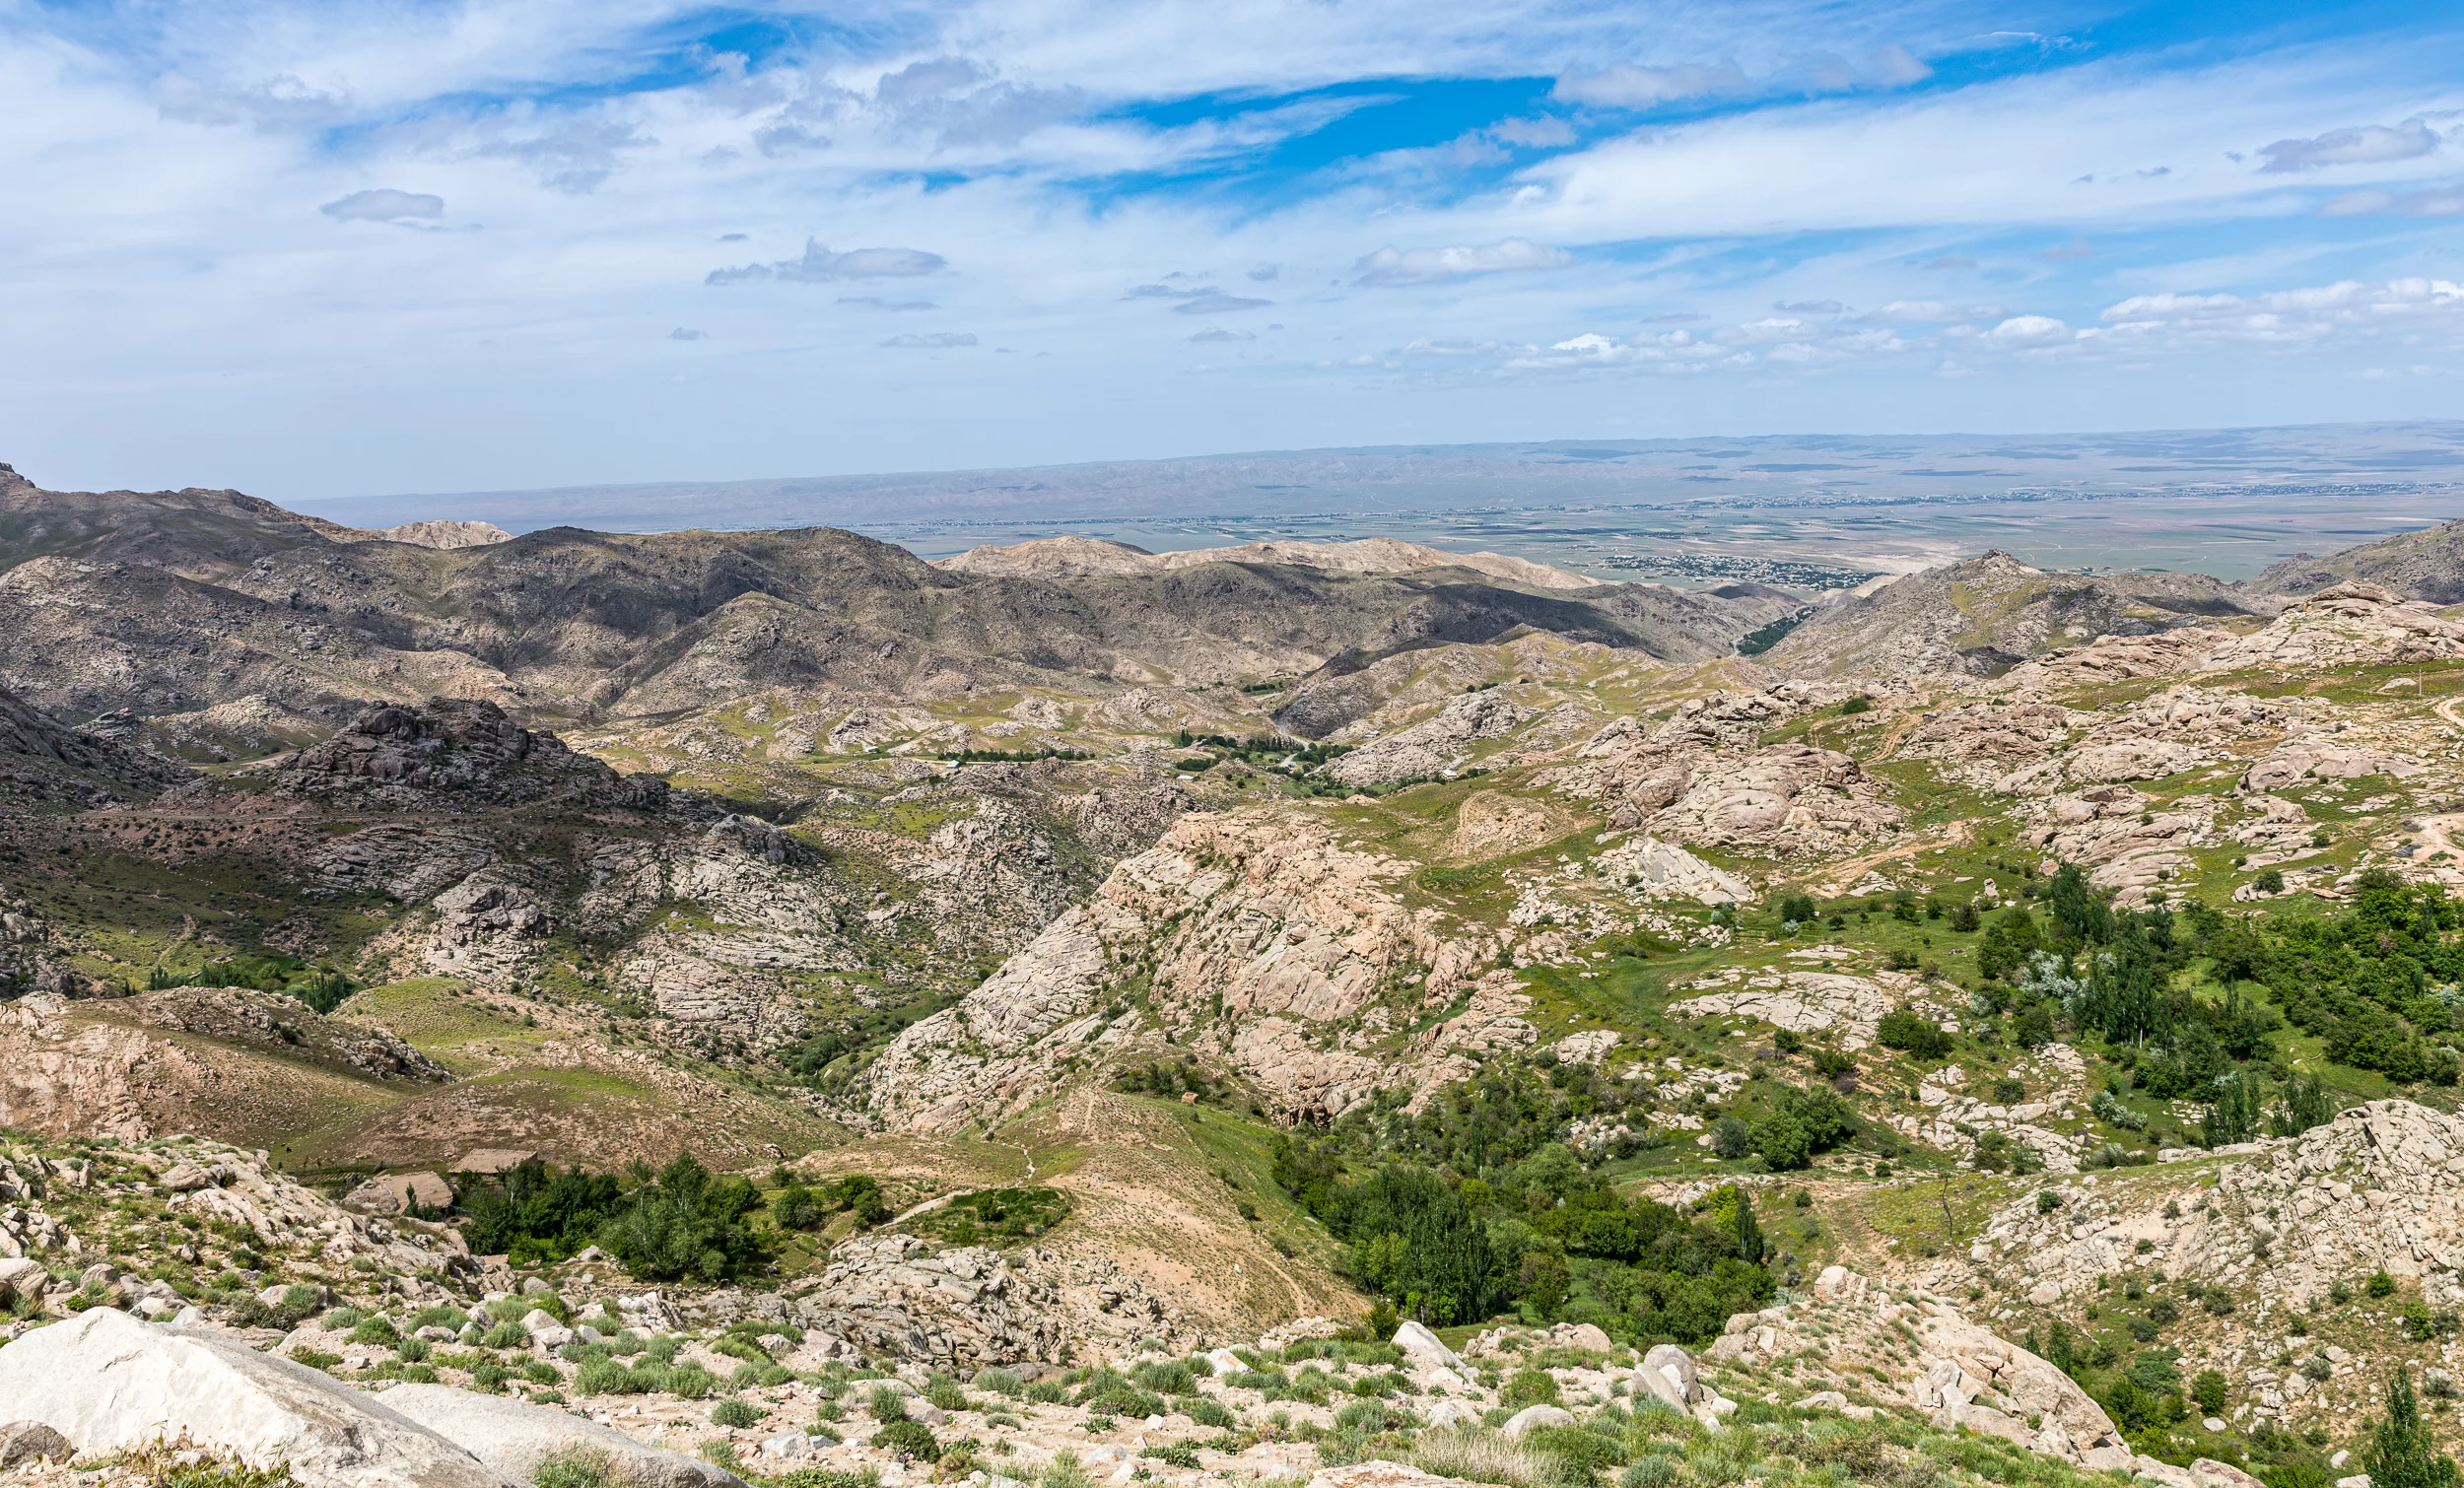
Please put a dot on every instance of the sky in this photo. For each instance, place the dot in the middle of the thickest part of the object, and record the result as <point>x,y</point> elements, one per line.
<point>338,249</point>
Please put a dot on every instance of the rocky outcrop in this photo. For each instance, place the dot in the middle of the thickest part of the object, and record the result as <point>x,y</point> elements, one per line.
<point>1807,1002</point>
<point>2370,1190</point>
<point>893,1296</point>
<point>1786,797</point>
<point>514,1437</point>
<point>1984,616</point>
<point>2346,625</point>
<point>1651,869</point>
<point>107,1382</point>
<point>1917,1350</point>
<point>1260,941</point>
<point>2323,754</point>
<point>2115,658</point>
<point>454,753</point>
<point>1437,747</point>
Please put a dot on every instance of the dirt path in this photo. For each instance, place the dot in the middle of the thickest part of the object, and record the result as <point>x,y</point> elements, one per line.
<point>1847,872</point>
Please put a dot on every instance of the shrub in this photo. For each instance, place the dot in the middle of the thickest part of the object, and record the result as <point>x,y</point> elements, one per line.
<point>2047,1200</point>
<point>577,1466</point>
<point>887,1402</point>
<point>1000,1382</point>
<point>600,1377</point>
<point>1730,1138</point>
<point>1178,1454</point>
<point>438,1317</point>
<point>540,1371</point>
<point>690,1382</point>
<point>2209,1390</point>
<point>1651,1469</point>
<point>1064,1471</point>
<point>1913,1033</point>
<point>913,1439</point>
<point>1481,1456</point>
<point>734,1411</point>
<point>1530,1386</point>
<point>2380,1284</point>
<point>948,1396</point>
<point>1363,1415</point>
<point>1208,1412</point>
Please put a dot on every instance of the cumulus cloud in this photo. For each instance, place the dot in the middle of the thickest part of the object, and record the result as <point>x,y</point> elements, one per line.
<point>1217,302</point>
<point>1220,333</point>
<point>680,334</point>
<point>930,341</point>
<point>2442,203</point>
<point>385,205</point>
<point>1641,87</point>
<point>1808,306</point>
<point>1265,273</point>
<point>1398,266</point>
<point>2282,319</point>
<point>2026,331</point>
<point>820,266</point>
<point>2366,145</point>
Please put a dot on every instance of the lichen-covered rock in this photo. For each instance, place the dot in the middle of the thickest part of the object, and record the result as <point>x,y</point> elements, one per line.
<point>1435,746</point>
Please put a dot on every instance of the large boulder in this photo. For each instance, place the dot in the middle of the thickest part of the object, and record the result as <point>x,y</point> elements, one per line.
<point>107,1382</point>
<point>1533,1418</point>
<point>514,1437</point>
<point>1425,1348</point>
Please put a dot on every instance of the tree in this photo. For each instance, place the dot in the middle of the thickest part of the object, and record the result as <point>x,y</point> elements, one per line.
<point>2304,1104</point>
<point>1748,1232</point>
<point>1801,1123</point>
<point>686,1222</point>
<point>2080,917</point>
<point>2234,1115</point>
<point>1919,1036</point>
<point>2209,1390</point>
<point>1412,1236</point>
<point>2400,1454</point>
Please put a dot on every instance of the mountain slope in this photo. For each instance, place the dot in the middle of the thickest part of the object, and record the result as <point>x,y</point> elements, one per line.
<point>2425,565</point>
<point>1984,615</point>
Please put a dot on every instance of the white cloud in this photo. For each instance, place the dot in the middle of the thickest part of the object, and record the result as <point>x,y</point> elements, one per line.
<point>930,341</point>
<point>1220,333</point>
<point>385,205</point>
<point>2368,145</point>
<point>681,333</point>
<point>1932,312</point>
<point>1639,87</point>
<point>1397,266</point>
<point>2026,331</point>
<point>819,266</point>
<point>2296,319</point>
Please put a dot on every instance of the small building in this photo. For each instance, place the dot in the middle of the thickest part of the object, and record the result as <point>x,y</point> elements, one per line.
<point>488,1162</point>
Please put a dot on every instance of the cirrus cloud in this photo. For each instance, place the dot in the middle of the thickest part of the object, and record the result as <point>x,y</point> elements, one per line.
<point>385,205</point>
<point>1400,266</point>
<point>819,265</point>
<point>930,341</point>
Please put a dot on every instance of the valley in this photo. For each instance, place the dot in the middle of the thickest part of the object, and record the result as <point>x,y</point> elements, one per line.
<point>1290,1011</point>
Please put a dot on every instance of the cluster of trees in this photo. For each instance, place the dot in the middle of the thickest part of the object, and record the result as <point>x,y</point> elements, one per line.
<point>680,1222</point>
<point>801,1206</point>
<point>2378,982</point>
<point>322,988</point>
<point>1174,1078</point>
<point>1544,1232</point>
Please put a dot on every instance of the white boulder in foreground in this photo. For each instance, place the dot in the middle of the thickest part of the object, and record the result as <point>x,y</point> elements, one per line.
<point>107,1382</point>
<point>512,1438</point>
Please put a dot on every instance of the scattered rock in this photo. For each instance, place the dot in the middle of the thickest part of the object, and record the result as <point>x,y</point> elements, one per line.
<point>512,1438</point>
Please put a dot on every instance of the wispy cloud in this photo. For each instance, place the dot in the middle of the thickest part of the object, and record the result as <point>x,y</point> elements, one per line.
<point>819,265</point>
<point>2365,145</point>
<point>385,205</point>
<point>1394,266</point>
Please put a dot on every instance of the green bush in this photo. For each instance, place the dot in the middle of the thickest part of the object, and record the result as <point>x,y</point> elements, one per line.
<point>1207,1412</point>
<point>2209,1390</point>
<point>378,1330</point>
<point>438,1317</point>
<point>998,1380</point>
<point>1178,1454</point>
<point>1650,1470</point>
<point>692,1381</point>
<point>577,1466</point>
<point>1913,1033</point>
<point>913,1439</point>
<point>1530,1386</point>
<point>2380,1284</point>
<point>736,1413</point>
<point>888,1403</point>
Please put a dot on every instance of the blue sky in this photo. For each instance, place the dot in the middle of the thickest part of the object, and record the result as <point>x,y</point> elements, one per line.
<point>341,248</point>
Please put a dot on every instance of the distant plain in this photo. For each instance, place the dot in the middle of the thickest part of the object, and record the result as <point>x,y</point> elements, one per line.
<point>1809,511</point>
